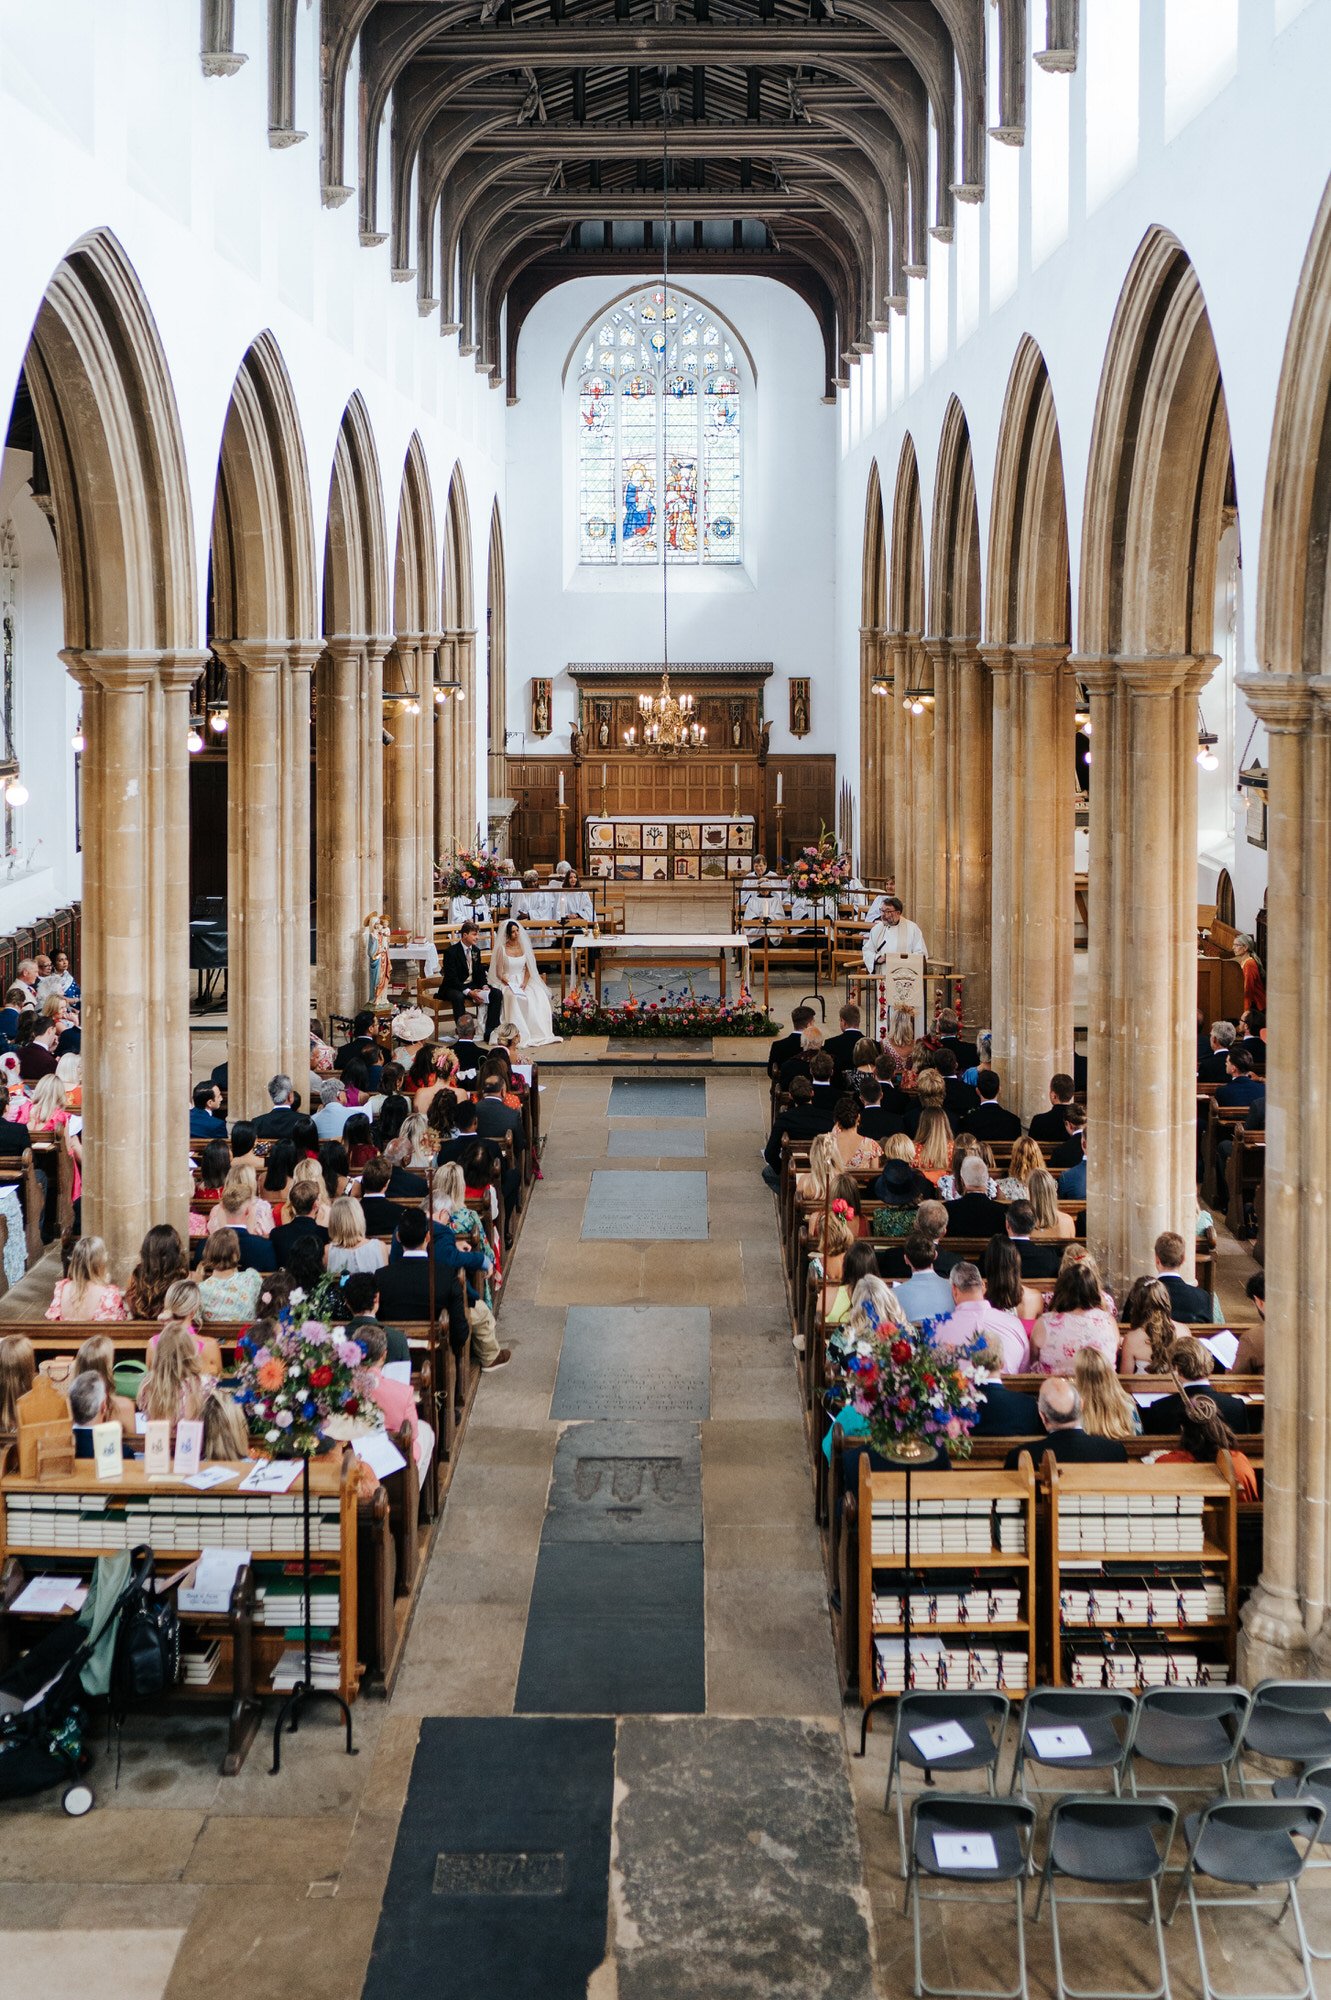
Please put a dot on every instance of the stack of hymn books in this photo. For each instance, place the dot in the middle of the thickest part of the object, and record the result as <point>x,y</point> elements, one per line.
<point>1138,1523</point>
<point>171,1522</point>
<point>325,1668</point>
<point>967,1525</point>
<point>1130,1668</point>
<point>1152,1598</point>
<point>973,1603</point>
<point>280,1599</point>
<point>947,1663</point>
<point>199,1662</point>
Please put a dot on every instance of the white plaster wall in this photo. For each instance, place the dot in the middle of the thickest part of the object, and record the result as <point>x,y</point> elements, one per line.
<point>776,605</point>
<point>1202,117</point>
<point>107,121</point>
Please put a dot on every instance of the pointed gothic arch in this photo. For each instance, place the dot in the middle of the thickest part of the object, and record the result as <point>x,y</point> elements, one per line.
<point>409,703</point>
<point>911,774</point>
<point>875,709</point>
<point>457,726</point>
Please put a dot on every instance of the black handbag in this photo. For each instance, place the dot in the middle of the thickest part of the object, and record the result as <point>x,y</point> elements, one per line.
<point>146,1661</point>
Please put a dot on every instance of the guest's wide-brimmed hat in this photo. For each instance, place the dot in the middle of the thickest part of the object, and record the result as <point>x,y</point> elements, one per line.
<point>898,1179</point>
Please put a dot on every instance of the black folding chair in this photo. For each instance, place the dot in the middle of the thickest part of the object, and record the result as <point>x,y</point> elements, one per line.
<point>1250,1842</point>
<point>1120,1846</point>
<point>1104,1718</point>
<point>981,1716</point>
<point>1183,1728</point>
<point>1288,1720</point>
<point>1009,1824</point>
<point>1315,1783</point>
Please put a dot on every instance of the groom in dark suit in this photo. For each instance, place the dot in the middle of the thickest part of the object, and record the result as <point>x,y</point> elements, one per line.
<point>464,984</point>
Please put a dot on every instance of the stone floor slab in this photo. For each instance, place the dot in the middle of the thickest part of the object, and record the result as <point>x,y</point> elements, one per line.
<point>658,1097</point>
<point>615,1631</point>
<point>110,1964</point>
<point>634,1361</point>
<point>646,1208</point>
<point>620,1483</point>
<point>655,1142</point>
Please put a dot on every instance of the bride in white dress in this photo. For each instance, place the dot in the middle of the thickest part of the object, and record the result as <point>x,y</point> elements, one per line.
<point>526,997</point>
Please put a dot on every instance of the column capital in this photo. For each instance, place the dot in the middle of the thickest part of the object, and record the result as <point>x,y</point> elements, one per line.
<point>1284,703</point>
<point>303,655</point>
<point>1040,658</point>
<point>996,657</point>
<point>119,672</point>
<point>1153,674</point>
<point>251,656</point>
<point>1098,672</point>
<point>180,670</point>
<point>344,647</point>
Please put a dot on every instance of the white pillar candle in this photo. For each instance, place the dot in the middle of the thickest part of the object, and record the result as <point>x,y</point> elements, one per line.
<point>737,777</point>
<point>779,781</point>
<point>561,788</point>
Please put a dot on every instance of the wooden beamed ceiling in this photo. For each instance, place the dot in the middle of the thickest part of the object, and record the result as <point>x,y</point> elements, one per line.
<point>529,141</point>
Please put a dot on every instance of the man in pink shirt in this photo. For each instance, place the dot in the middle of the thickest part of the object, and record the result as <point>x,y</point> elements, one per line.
<point>973,1318</point>
<point>396,1399</point>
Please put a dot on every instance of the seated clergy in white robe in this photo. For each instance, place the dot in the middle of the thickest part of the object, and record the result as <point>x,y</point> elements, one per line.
<point>891,935</point>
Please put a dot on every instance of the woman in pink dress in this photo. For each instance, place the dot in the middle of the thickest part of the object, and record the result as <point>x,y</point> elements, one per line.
<point>1073,1319</point>
<point>87,1293</point>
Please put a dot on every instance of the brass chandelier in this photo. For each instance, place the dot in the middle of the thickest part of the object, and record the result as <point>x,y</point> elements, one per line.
<point>668,721</point>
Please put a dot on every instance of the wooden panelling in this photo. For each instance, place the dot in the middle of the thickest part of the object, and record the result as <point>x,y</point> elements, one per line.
<point>809,785</point>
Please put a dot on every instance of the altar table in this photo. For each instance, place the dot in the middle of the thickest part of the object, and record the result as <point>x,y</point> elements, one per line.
<point>696,949</point>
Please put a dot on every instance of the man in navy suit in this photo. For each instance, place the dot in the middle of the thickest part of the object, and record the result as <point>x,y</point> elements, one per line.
<point>1190,1305</point>
<point>1243,1087</point>
<point>1060,1413</point>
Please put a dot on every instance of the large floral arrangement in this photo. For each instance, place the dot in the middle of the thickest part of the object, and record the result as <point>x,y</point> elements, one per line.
<point>909,1390</point>
<point>678,1017</point>
<point>473,871</point>
<point>823,870</point>
<point>297,1372</point>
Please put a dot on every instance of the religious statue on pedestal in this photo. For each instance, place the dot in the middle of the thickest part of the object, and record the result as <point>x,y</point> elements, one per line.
<point>375,934</point>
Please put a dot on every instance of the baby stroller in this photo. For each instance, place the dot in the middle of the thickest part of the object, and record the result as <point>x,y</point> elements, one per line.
<point>43,1697</point>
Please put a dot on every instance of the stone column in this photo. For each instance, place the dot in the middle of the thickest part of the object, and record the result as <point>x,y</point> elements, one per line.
<point>896,666</point>
<point>294,860</point>
<point>466,805</point>
<point>372,777</point>
<point>938,850</point>
<point>342,983</point>
<point>1038,784</point>
<point>402,854</point>
<point>425,786</point>
<point>255,988</point>
<point>445,733</point>
<point>972,836</point>
<point>135,824</point>
<point>1285,1629</point>
<point>1007,808</point>
<point>921,898</point>
<point>1141,973</point>
<point>874,766</point>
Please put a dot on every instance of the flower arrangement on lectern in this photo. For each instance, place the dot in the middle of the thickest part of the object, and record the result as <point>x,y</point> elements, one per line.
<point>473,871</point>
<point>296,1373</point>
<point>822,870</point>
<point>916,1398</point>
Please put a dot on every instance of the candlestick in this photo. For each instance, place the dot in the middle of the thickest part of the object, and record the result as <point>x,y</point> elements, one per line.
<point>563,819</point>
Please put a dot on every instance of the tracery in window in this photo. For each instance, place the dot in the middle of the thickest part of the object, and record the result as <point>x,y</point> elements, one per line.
<point>660,474</point>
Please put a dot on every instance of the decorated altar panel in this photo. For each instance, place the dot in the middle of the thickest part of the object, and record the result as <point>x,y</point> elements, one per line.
<point>669,847</point>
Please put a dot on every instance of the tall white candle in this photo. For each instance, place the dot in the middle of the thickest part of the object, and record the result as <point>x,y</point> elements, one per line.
<point>780,777</point>
<point>737,777</point>
<point>561,788</point>
<point>605,768</point>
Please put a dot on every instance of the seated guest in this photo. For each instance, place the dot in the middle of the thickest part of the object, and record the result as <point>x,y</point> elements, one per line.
<point>1004,1286</point>
<point>225,1433</point>
<point>1203,1435</point>
<point>13,1131</point>
<point>824,1098</point>
<point>213,1168</point>
<point>331,1118</point>
<point>396,1399</point>
<point>410,1155</point>
<point>308,1173</point>
<point>1052,1125</point>
<point>964,1147</point>
<point>990,1120</point>
<point>18,1372</point>
<point>1242,1087</point>
<point>226,1293</point>
<point>183,1300</point>
<point>361,1148</point>
<point>161,1261</point>
<point>304,1268</point>
<point>304,1202</point>
<point>494,1118</point>
<point>305,1137</point>
<point>923,1295</point>
<point>1251,1356</point>
<point>89,1404</point>
<point>175,1385</point>
<point>362,1047</point>
<point>404,1283</point>
<point>824,1167</point>
<point>811,1045</point>
<point>17,1003</point>
<point>973,1213</point>
<point>877,1120</point>
<point>1148,1345</point>
<point>381,1214</point>
<point>349,1246</point>
<point>841,1048</point>
<point>1191,1305</point>
<point>37,1038</point>
<point>1038,1260</point>
<point>1072,1180</point>
<point>1107,1410</point>
<point>959,1099</point>
<point>901,1189</point>
<point>931,1221</point>
<point>798,1121</point>
<point>860,1261</point>
<point>781,1050</point>
<point>1005,1412</point>
<point>974,1317</point>
<point>849,1144</point>
<point>278,1171</point>
<point>87,1293</point>
<point>278,1123</point>
<point>360,1295</point>
<point>239,1206</point>
<point>205,1119</point>
<point>335,1168</point>
<point>832,1237</point>
<point>933,1131</point>
<point>97,1356</point>
<point>1072,1150</point>
<point>1026,1159</point>
<point>1074,1318</point>
<point>1052,1223</point>
<point>1251,1037</point>
<point>964,1054</point>
<point>1194,1365</point>
<point>470,1054</point>
<point>1060,1413</point>
<point>1213,1067</point>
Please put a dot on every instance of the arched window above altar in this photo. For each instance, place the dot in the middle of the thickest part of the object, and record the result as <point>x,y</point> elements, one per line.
<point>660,435</point>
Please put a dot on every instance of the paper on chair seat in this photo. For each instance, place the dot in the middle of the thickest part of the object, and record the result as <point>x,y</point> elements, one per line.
<point>965,1850</point>
<point>943,1739</point>
<point>1069,1742</point>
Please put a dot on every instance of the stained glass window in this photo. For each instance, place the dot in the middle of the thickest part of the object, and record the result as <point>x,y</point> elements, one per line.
<point>660,447</point>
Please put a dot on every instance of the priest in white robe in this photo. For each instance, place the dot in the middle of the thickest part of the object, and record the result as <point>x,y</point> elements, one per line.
<point>892,934</point>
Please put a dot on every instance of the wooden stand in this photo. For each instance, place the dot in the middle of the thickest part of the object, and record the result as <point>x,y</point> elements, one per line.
<point>305,1690</point>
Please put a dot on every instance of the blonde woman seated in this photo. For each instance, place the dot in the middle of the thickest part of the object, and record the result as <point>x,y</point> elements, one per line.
<point>97,1356</point>
<point>1074,1318</point>
<point>468,1229</point>
<point>69,1070</point>
<point>350,1248</point>
<point>824,1166</point>
<point>874,1311</point>
<point>825,1261</point>
<point>1148,1345</point>
<point>87,1293</point>
<point>933,1132</point>
<point>240,1205</point>
<point>1027,1159</point>
<point>1077,1253</point>
<point>1052,1224</point>
<point>175,1388</point>
<point>311,1171</point>
<point>49,1113</point>
<point>965,1147</point>
<point>227,1294</point>
<point>225,1435</point>
<point>18,1372</point>
<point>1107,1410</point>
<point>413,1148</point>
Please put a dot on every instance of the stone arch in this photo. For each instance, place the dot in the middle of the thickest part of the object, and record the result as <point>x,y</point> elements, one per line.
<point>961,722</point>
<point>1028,608</point>
<point>106,413</point>
<point>263,622</point>
<point>912,762</point>
<point>496,655</point>
<point>455,814</point>
<point>876,712</point>
<point>409,704</point>
<point>1286,1627</point>
<point>349,756</point>
<point>1159,463</point>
